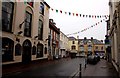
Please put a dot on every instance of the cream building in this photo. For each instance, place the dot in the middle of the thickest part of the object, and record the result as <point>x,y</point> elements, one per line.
<point>25,28</point>
<point>64,47</point>
<point>73,46</point>
<point>114,33</point>
<point>91,46</point>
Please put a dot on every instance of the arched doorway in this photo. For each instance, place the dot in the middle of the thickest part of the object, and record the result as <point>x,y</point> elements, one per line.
<point>26,55</point>
<point>7,49</point>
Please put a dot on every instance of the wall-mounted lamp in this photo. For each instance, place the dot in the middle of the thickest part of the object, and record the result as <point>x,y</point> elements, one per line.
<point>20,32</point>
<point>20,26</point>
<point>36,37</point>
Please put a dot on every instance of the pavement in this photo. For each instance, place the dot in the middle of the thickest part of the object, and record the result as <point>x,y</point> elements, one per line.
<point>102,69</point>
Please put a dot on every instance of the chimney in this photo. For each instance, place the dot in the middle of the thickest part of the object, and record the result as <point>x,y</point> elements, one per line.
<point>85,38</point>
<point>91,38</point>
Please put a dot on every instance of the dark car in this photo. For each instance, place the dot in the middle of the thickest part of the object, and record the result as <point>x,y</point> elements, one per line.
<point>93,59</point>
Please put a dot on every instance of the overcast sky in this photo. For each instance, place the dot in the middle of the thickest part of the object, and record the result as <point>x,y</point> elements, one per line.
<point>69,24</point>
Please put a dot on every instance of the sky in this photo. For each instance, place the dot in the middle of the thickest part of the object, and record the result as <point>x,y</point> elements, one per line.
<point>69,24</point>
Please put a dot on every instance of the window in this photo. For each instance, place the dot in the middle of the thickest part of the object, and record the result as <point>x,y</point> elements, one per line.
<point>102,48</point>
<point>30,2</point>
<point>42,8</point>
<point>27,29</point>
<point>33,50</point>
<point>40,30</point>
<point>39,50</point>
<point>73,42</point>
<point>45,50</point>
<point>7,16</point>
<point>17,50</point>
<point>73,47</point>
<point>96,47</point>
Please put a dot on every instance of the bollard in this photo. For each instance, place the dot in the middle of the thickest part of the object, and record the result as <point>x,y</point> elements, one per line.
<point>85,62</point>
<point>80,71</point>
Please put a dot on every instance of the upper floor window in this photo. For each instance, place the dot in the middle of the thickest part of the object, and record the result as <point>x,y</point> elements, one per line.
<point>27,29</point>
<point>96,47</point>
<point>73,47</point>
<point>73,42</point>
<point>40,30</point>
<point>102,48</point>
<point>42,8</point>
<point>7,16</point>
<point>30,2</point>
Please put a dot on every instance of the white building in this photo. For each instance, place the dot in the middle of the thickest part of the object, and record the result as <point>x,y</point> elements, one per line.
<point>25,28</point>
<point>114,32</point>
<point>64,46</point>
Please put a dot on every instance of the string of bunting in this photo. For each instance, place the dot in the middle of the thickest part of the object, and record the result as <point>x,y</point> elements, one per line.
<point>87,28</point>
<point>80,15</point>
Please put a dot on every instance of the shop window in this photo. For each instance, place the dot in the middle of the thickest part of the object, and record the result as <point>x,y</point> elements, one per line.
<point>17,50</point>
<point>39,50</point>
<point>33,50</point>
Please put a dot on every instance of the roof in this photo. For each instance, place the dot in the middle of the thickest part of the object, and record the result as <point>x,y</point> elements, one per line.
<point>94,41</point>
<point>72,38</point>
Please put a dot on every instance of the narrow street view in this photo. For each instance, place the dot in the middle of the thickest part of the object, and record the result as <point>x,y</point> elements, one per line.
<point>60,38</point>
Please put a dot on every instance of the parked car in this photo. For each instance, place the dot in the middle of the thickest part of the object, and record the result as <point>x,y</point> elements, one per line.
<point>93,59</point>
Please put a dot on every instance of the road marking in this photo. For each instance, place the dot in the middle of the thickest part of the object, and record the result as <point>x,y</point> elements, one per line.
<point>74,74</point>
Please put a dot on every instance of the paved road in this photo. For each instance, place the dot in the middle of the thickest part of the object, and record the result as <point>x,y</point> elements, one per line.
<point>60,68</point>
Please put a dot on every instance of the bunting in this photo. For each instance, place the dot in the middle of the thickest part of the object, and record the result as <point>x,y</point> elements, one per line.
<point>87,27</point>
<point>79,15</point>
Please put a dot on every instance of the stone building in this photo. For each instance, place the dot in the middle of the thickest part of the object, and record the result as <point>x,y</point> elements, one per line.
<point>114,33</point>
<point>25,28</point>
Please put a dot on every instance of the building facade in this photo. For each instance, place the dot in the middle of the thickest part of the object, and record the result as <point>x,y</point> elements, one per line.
<point>73,46</point>
<point>64,47</point>
<point>54,40</point>
<point>91,46</point>
<point>25,28</point>
<point>114,33</point>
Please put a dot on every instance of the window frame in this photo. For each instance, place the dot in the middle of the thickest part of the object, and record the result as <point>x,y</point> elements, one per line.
<point>27,29</point>
<point>10,14</point>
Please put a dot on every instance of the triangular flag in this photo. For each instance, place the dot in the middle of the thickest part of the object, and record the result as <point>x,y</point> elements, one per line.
<point>89,15</point>
<point>73,14</point>
<point>65,12</point>
<point>60,11</point>
<point>56,10</point>
<point>69,13</point>
<point>80,15</point>
<point>83,15</point>
<point>52,9</point>
<point>25,1</point>
<point>76,14</point>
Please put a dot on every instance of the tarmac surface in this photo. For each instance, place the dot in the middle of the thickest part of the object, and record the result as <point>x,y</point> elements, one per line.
<point>102,69</point>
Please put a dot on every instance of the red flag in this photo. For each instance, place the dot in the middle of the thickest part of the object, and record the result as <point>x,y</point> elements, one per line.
<point>76,14</point>
<point>73,14</point>
<point>52,9</point>
<point>60,11</point>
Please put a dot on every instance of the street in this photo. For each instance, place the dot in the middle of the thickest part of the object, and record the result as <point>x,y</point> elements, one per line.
<point>67,68</point>
<point>59,68</point>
